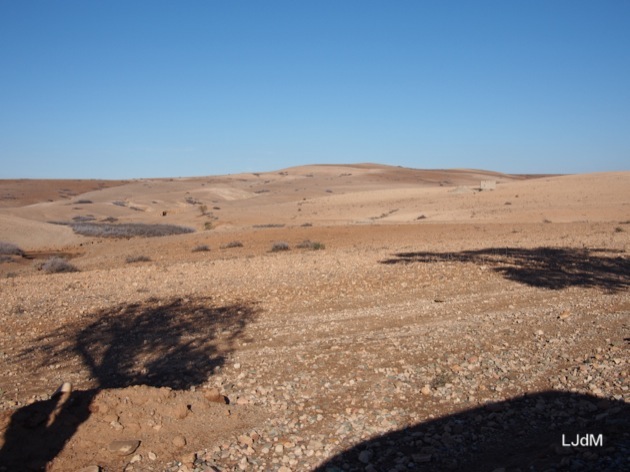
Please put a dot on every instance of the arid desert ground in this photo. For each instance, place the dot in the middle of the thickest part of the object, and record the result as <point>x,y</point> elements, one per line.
<point>331,317</point>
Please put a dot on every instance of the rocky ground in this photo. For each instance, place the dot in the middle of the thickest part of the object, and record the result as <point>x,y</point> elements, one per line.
<point>320,352</point>
<point>424,346</point>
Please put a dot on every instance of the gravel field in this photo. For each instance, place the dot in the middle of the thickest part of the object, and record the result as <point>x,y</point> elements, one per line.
<point>397,347</point>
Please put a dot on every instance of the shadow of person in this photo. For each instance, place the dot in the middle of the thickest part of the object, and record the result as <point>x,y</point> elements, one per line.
<point>175,343</point>
<point>551,430</point>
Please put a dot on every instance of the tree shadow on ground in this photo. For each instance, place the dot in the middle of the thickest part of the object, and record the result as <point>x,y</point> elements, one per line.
<point>525,433</point>
<point>175,343</point>
<point>545,267</point>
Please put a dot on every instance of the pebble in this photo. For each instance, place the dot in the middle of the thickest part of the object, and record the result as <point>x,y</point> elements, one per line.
<point>214,395</point>
<point>123,447</point>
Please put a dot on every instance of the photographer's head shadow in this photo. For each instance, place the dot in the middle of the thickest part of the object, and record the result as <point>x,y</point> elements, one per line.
<point>550,430</point>
<point>176,343</point>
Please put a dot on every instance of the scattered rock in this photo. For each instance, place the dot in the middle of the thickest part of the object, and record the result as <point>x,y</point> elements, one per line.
<point>365,456</point>
<point>124,447</point>
<point>214,395</point>
<point>179,441</point>
<point>245,440</point>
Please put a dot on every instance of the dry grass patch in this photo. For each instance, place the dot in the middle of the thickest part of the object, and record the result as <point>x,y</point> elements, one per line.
<point>129,230</point>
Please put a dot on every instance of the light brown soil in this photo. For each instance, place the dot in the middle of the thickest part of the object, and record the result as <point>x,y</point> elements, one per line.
<point>401,323</point>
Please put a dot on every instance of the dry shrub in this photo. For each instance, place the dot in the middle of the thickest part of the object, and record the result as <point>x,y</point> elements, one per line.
<point>201,248</point>
<point>312,245</point>
<point>10,249</point>
<point>270,225</point>
<point>132,259</point>
<point>232,244</point>
<point>280,246</point>
<point>56,265</point>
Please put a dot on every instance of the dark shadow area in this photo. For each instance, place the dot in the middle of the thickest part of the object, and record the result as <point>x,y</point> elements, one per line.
<point>175,343</point>
<point>525,434</point>
<point>545,267</point>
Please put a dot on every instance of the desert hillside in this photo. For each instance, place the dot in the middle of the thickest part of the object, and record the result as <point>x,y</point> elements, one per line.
<point>325,317</point>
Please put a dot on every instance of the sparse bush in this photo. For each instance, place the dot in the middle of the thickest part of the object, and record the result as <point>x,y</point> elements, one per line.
<point>619,229</point>
<point>232,244</point>
<point>128,230</point>
<point>280,246</point>
<point>203,209</point>
<point>110,219</point>
<point>10,249</point>
<point>4,258</point>
<point>271,225</point>
<point>312,245</point>
<point>83,219</point>
<point>193,201</point>
<point>546,221</point>
<point>56,265</point>
<point>306,225</point>
<point>421,217</point>
<point>119,203</point>
<point>83,202</point>
<point>201,248</point>
<point>208,225</point>
<point>132,259</point>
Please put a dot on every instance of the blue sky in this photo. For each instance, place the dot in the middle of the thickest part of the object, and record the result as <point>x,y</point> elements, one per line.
<point>122,89</point>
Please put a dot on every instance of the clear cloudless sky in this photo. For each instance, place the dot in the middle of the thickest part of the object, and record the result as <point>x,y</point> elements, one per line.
<point>123,89</point>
